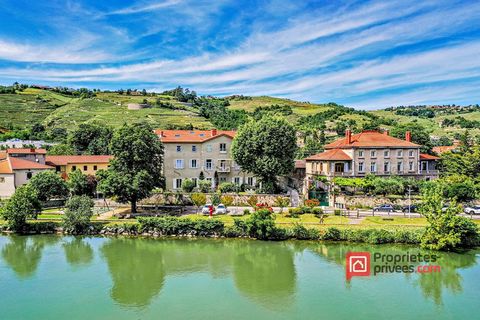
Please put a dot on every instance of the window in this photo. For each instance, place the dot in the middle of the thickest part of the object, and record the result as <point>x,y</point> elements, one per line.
<point>386,166</point>
<point>2,179</point>
<point>361,168</point>
<point>195,181</point>
<point>177,183</point>
<point>236,180</point>
<point>386,153</point>
<point>95,168</point>
<point>74,168</point>
<point>400,166</point>
<point>223,147</point>
<point>373,154</point>
<point>410,166</point>
<point>223,179</point>
<point>179,148</point>
<point>209,148</point>
<point>250,181</point>
<point>360,154</point>
<point>179,164</point>
<point>85,168</point>
<point>424,166</point>
<point>208,164</point>
<point>57,169</point>
<point>194,148</point>
<point>400,153</point>
<point>193,163</point>
<point>29,175</point>
<point>410,153</point>
<point>373,167</point>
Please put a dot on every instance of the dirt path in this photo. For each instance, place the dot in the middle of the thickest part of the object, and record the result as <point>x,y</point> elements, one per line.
<point>107,215</point>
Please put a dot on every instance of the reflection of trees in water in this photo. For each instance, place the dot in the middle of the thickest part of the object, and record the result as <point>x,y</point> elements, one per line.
<point>23,253</point>
<point>264,272</point>
<point>78,252</point>
<point>431,284</point>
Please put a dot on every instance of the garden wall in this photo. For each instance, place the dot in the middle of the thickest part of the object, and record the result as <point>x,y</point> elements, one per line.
<point>359,201</point>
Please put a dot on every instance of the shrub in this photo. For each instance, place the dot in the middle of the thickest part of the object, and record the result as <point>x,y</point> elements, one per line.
<point>263,206</point>
<point>22,205</point>
<point>198,199</point>
<point>188,185</point>
<point>317,211</point>
<point>333,234</point>
<point>252,202</point>
<point>246,211</point>
<point>294,212</point>
<point>227,200</point>
<point>239,229</point>
<point>312,203</point>
<point>48,185</point>
<point>225,187</point>
<point>337,212</point>
<point>282,202</point>
<point>181,226</point>
<point>215,199</point>
<point>78,213</point>
<point>204,186</point>
<point>261,225</point>
<point>300,232</point>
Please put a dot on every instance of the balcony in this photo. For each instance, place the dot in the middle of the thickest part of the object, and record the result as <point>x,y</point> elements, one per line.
<point>223,169</point>
<point>429,172</point>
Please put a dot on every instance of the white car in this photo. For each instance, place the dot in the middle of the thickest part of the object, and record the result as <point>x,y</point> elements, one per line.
<point>472,209</point>
<point>221,209</point>
<point>206,208</point>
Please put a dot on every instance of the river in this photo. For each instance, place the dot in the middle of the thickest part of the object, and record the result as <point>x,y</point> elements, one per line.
<point>55,277</point>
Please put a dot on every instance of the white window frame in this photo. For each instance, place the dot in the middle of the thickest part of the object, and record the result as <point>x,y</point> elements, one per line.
<point>209,148</point>
<point>178,148</point>
<point>176,164</point>
<point>386,166</point>
<point>411,153</point>
<point>194,148</point>
<point>411,166</point>
<point>224,149</point>
<point>386,153</point>
<point>361,167</point>
<point>374,166</point>
<point>191,164</point>
<point>175,183</point>
<point>234,180</point>
<point>399,166</point>
<point>361,154</point>
<point>400,153</point>
<point>373,153</point>
<point>206,166</point>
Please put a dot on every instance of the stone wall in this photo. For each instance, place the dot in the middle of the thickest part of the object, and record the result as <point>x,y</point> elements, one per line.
<point>372,201</point>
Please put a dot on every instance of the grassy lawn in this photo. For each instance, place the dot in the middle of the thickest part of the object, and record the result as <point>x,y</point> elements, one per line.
<point>394,221</point>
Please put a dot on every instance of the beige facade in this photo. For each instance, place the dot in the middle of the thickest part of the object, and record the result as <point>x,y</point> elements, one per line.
<point>187,159</point>
<point>7,185</point>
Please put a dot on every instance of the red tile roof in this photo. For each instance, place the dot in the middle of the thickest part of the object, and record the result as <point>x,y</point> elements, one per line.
<point>424,156</point>
<point>64,160</point>
<point>334,154</point>
<point>22,164</point>
<point>371,139</point>
<point>171,136</point>
<point>443,149</point>
<point>26,151</point>
<point>5,166</point>
<point>300,164</point>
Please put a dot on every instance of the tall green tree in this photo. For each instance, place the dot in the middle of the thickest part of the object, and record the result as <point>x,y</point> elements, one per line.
<point>91,138</point>
<point>49,185</point>
<point>137,166</point>
<point>81,184</point>
<point>419,133</point>
<point>267,149</point>
<point>78,213</point>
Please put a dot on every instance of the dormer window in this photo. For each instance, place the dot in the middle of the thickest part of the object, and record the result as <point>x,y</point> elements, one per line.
<point>202,134</point>
<point>179,148</point>
<point>177,136</point>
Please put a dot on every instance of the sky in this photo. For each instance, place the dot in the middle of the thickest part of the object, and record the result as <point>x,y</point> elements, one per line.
<point>363,54</point>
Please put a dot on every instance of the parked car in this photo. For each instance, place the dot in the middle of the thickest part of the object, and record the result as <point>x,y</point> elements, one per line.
<point>221,209</point>
<point>472,209</point>
<point>413,208</point>
<point>384,208</point>
<point>206,208</point>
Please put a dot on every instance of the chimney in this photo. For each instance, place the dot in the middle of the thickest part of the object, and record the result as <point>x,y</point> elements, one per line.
<point>348,135</point>
<point>408,136</point>
<point>214,132</point>
<point>161,134</point>
<point>32,150</point>
<point>385,132</point>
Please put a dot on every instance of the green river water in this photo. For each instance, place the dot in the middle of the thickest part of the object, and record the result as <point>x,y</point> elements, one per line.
<point>53,277</point>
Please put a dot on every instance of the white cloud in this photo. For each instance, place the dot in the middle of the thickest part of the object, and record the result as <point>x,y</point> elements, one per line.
<point>147,7</point>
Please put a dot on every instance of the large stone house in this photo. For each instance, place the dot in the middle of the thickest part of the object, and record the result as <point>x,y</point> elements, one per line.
<point>188,153</point>
<point>370,152</point>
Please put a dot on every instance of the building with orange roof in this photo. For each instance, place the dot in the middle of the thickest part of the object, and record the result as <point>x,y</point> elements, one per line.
<point>88,164</point>
<point>18,166</point>
<point>370,152</point>
<point>190,153</point>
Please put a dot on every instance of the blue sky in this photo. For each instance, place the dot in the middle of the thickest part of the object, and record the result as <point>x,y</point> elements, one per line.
<point>365,54</point>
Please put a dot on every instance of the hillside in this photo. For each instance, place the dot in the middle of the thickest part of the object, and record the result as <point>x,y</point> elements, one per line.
<point>62,109</point>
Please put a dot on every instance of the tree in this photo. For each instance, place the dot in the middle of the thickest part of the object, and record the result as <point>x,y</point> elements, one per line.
<point>204,186</point>
<point>267,149</point>
<point>137,165</point>
<point>446,230</point>
<point>80,184</point>
<point>188,185</point>
<point>48,185</point>
<point>282,202</point>
<point>91,138</point>
<point>419,134</point>
<point>199,199</point>
<point>61,150</point>
<point>78,213</point>
<point>22,205</point>
<point>227,200</point>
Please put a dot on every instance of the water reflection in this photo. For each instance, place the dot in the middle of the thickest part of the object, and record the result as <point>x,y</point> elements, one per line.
<point>78,252</point>
<point>433,285</point>
<point>262,272</point>
<point>23,254</point>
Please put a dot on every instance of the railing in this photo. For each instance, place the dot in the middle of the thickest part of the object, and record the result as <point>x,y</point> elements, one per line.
<point>429,171</point>
<point>223,169</point>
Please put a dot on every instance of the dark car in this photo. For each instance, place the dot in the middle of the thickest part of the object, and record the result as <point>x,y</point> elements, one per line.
<point>413,208</point>
<point>384,208</point>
